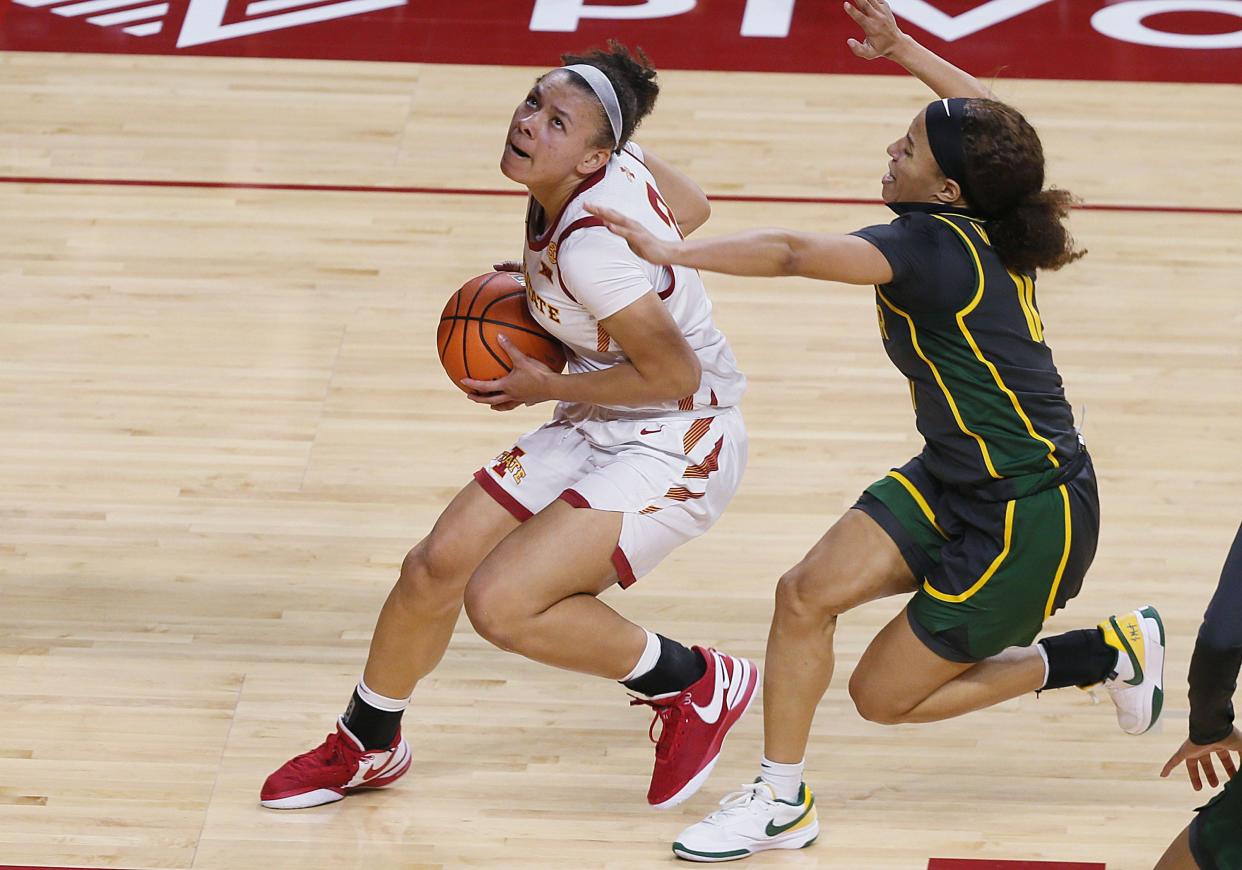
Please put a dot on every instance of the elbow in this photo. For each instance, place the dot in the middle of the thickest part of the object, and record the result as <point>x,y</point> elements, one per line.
<point>786,252</point>
<point>790,264</point>
<point>695,216</point>
<point>686,379</point>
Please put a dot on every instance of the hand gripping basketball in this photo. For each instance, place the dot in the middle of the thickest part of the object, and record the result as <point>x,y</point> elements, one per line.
<point>529,383</point>
<point>485,327</point>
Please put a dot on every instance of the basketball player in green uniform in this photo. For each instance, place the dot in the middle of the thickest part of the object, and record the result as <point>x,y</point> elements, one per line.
<point>991,528</point>
<point>1213,841</point>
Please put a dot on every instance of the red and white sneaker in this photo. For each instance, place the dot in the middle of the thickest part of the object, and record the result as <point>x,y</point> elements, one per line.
<point>694,724</point>
<point>338,765</point>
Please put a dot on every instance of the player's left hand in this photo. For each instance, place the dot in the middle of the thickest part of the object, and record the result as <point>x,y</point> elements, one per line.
<point>1199,757</point>
<point>879,26</point>
<point>655,251</point>
<point>529,383</point>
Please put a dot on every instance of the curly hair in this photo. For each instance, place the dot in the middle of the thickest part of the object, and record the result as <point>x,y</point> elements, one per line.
<point>1005,176</point>
<point>632,77</point>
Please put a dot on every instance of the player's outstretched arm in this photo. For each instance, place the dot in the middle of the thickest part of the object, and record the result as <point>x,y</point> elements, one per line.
<point>883,38</point>
<point>766,253</point>
<point>682,193</point>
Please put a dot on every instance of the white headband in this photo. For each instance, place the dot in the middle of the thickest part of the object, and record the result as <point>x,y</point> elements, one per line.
<point>604,92</point>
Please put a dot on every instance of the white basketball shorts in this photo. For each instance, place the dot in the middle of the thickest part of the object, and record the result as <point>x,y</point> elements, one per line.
<point>672,479</point>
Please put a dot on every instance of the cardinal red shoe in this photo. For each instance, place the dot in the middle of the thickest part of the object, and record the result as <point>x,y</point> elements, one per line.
<point>338,765</point>
<point>694,723</point>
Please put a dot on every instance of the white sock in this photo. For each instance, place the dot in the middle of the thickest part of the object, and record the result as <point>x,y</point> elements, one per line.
<point>785,779</point>
<point>1043,654</point>
<point>374,699</point>
<point>646,661</point>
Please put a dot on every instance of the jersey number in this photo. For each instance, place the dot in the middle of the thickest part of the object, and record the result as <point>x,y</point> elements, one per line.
<point>663,212</point>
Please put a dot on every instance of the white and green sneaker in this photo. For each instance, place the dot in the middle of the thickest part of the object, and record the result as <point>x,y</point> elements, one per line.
<point>750,821</point>
<point>1137,686</point>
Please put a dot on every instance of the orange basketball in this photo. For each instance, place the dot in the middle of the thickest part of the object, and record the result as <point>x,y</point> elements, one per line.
<point>473,319</point>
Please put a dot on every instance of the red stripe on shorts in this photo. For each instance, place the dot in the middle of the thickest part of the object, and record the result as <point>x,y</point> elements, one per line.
<point>573,498</point>
<point>506,501</point>
<point>625,574</point>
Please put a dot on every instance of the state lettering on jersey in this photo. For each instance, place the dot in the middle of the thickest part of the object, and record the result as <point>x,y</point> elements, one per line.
<point>508,463</point>
<point>581,273</point>
<point>536,301</point>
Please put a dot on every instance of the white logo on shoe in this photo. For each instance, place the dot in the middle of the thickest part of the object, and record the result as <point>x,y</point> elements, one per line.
<point>375,764</point>
<point>734,686</point>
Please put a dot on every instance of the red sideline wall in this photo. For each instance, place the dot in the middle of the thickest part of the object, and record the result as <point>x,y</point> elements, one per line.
<point>1133,40</point>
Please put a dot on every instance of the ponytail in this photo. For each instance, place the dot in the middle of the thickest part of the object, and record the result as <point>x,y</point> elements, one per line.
<point>1005,175</point>
<point>1032,234</point>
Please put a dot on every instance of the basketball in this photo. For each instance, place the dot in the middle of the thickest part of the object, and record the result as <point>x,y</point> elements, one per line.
<point>474,318</point>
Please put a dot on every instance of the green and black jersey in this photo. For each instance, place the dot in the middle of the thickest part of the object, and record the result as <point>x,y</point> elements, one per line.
<point>967,334</point>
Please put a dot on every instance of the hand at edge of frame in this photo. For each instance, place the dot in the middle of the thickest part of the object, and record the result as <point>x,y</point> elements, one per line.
<point>881,34</point>
<point>1198,759</point>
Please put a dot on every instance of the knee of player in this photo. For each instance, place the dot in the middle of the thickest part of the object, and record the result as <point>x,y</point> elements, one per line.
<point>874,705</point>
<point>491,613</point>
<point>430,575</point>
<point>804,598</point>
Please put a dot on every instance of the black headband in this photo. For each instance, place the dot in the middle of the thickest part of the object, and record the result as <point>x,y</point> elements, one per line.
<point>944,132</point>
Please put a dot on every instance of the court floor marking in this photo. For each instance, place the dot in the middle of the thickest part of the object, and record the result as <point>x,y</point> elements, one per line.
<point>473,191</point>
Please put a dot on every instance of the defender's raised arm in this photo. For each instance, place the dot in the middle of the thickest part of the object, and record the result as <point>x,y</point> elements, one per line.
<point>883,38</point>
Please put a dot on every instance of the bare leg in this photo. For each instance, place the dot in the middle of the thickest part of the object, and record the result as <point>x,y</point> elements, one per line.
<point>855,562</point>
<point>535,594</point>
<point>1016,671</point>
<point>1178,856</point>
<point>417,620</point>
<point>899,679</point>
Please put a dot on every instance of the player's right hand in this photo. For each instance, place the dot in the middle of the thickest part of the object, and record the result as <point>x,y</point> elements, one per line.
<point>507,266</point>
<point>641,242</point>
<point>882,35</point>
<point>1199,757</point>
<point>527,383</point>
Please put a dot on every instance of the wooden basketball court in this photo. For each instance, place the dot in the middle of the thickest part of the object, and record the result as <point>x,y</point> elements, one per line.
<point>222,424</point>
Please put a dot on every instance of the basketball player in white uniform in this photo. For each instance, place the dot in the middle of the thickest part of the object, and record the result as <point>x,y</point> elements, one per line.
<point>644,450</point>
<point>577,274</point>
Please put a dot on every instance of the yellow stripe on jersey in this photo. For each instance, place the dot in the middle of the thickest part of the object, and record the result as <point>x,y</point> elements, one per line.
<point>1030,301</point>
<point>1019,281</point>
<point>961,424</point>
<point>961,322</point>
<point>987,575</point>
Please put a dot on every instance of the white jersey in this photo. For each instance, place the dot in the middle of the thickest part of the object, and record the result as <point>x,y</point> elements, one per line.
<point>578,273</point>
